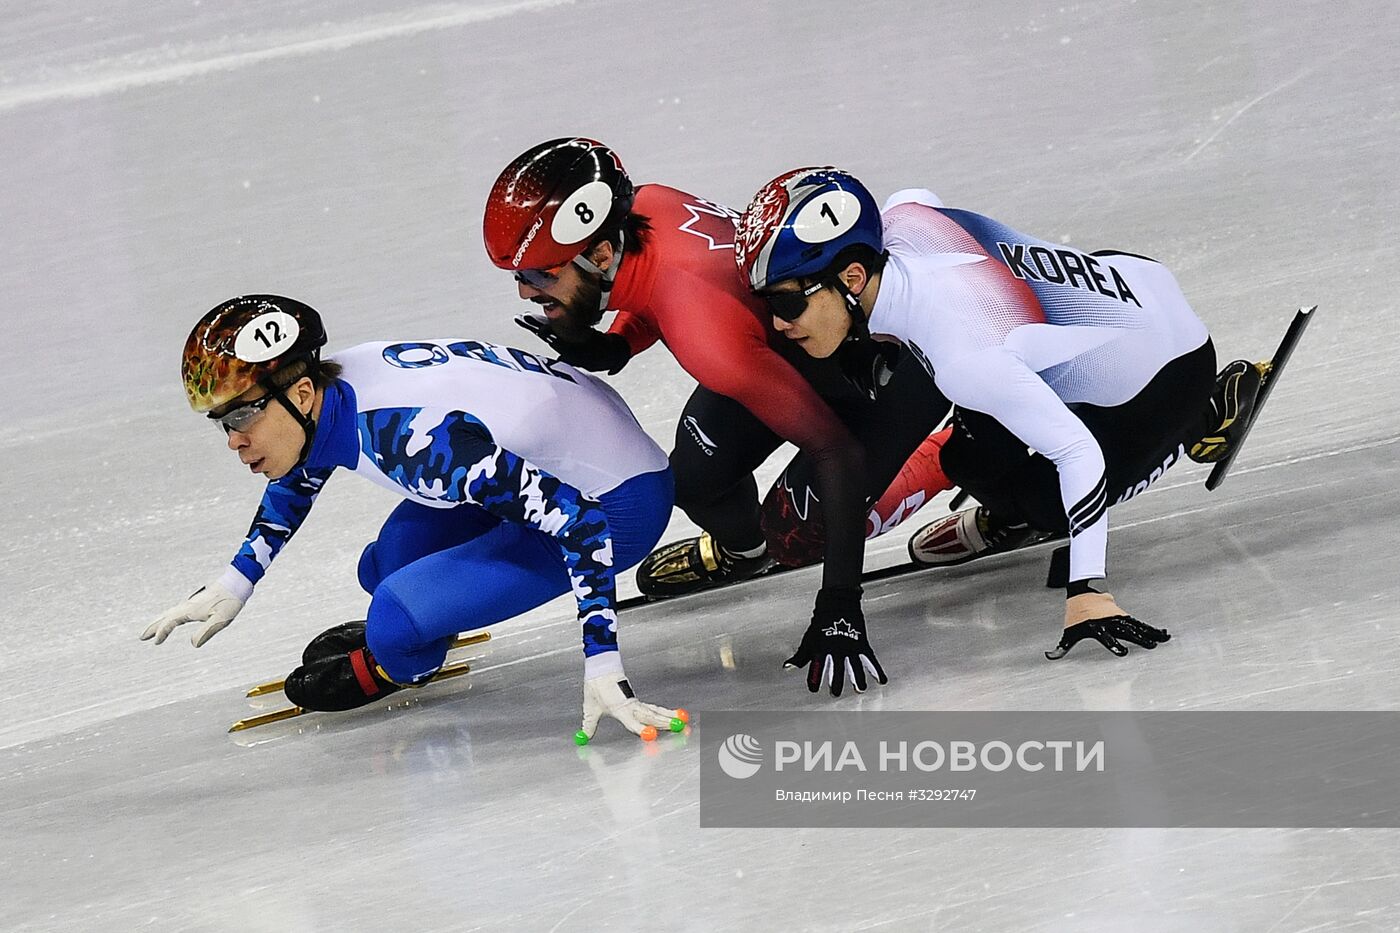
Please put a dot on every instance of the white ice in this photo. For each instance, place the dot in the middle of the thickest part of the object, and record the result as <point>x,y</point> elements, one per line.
<point>158,157</point>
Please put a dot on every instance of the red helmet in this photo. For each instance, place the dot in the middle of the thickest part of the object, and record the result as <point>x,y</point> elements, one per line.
<point>550,203</point>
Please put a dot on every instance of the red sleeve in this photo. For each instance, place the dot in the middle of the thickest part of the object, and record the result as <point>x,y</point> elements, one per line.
<point>723,344</point>
<point>683,287</point>
<point>638,331</point>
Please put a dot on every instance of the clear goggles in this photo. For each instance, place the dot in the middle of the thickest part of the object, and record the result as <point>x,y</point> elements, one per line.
<point>244,416</point>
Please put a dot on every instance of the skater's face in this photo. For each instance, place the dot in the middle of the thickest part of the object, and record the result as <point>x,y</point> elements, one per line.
<point>812,314</point>
<point>568,295</point>
<point>268,440</point>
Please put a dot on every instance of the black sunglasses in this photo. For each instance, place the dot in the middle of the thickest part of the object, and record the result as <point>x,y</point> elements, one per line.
<point>789,306</point>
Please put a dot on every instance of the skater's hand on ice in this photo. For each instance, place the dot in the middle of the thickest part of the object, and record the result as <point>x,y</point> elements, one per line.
<point>611,694</point>
<point>836,648</point>
<point>215,604</point>
<point>1096,615</point>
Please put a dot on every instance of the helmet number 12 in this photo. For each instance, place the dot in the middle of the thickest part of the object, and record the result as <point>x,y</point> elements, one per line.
<point>266,336</point>
<point>261,334</point>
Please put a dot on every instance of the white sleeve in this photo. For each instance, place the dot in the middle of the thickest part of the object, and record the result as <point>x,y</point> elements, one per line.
<point>998,383</point>
<point>912,196</point>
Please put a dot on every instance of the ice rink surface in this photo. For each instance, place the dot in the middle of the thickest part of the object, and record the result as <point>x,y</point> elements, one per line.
<point>159,157</point>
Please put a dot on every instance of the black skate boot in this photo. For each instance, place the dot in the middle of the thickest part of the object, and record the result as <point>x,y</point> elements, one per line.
<point>338,639</point>
<point>695,564</point>
<point>339,682</point>
<point>968,535</point>
<point>1232,407</point>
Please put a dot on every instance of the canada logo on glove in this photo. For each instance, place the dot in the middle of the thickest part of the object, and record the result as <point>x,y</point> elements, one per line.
<point>843,628</point>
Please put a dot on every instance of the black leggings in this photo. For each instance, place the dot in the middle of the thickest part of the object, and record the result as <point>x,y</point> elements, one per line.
<point>719,444</point>
<point>1140,439</point>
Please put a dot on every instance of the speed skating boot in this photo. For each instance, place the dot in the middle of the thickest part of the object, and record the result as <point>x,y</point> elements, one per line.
<point>968,535</point>
<point>338,639</point>
<point>695,564</point>
<point>339,682</point>
<point>1232,407</point>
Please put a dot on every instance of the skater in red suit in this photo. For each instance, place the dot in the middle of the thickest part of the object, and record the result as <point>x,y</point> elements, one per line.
<point>565,218</point>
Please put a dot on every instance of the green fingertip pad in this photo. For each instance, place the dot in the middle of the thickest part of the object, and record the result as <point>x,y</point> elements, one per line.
<point>580,737</point>
<point>677,724</point>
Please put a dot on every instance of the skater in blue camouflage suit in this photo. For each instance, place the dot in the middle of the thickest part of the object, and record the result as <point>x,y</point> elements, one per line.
<point>524,479</point>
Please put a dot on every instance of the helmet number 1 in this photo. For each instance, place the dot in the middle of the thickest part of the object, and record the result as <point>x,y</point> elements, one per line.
<point>826,217</point>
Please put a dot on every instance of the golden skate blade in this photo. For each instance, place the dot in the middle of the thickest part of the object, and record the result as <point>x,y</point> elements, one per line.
<point>252,722</point>
<point>446,672</point>
<point>461,641</point>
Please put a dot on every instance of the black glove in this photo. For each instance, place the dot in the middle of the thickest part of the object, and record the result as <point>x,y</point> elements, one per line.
<point>596,352</point>
<point>1091,614</point>
<point>868,364</point>
<point>1106,625</point>
<point>1107,632</point>
<point>835,646</point>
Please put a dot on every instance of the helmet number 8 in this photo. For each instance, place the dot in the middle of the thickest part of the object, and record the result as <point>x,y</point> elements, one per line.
<point>582,213</point>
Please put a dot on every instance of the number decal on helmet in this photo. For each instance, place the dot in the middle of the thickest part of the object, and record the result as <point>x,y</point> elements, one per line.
<point>240,342</point>
<point>550,203</point>
<point>582,213</point>
<point>266,336</point>
<point>798,223</point>
<point>826,216</point>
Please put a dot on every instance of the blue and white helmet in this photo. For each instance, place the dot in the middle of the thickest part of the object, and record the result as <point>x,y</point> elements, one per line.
<point>799,221</point>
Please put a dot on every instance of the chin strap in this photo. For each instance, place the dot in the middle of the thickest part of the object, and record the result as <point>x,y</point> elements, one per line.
<point>860,328</point>
<point>308,425</point>
<point>605,278</point>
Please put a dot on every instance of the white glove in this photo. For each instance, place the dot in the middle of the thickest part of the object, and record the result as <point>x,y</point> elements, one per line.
<point>215,603</point>
<point>610,693</point>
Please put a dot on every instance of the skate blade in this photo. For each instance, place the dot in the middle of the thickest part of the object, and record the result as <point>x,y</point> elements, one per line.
<point>462,641</point>
<point>1270,372</point>
<point>266,719</point>
<point>446,672</point>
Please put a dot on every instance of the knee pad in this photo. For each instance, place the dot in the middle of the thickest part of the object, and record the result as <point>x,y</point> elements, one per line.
<point>368,570</point>
<point>956,459</point>
<point>696,489</point>
<point>395,641</point>
<point>691,489</point>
